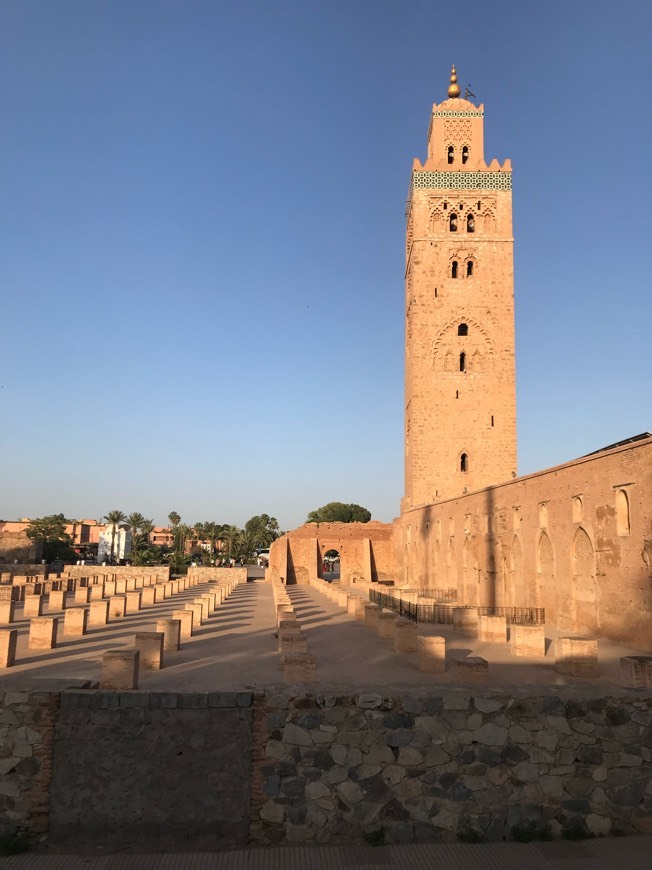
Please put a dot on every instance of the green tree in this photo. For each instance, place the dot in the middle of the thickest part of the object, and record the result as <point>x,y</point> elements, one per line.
<point>174,518</point>
<point>230,536</point>
<point>140,529</point>
<point>114,518</point>
<point>264,529</point>
<point>338,512</point>
<point>57,543</point>
<point>212,534</point>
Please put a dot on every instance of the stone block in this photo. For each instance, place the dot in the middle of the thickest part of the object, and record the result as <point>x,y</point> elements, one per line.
<point>147,596</point>
<point>636,672</point>
<point>33,606</point>
<point>97,591</point>
<point>342,598</point>
<point>171,630</point>
<point>197,611</point>
<point>527,640</point>
<point>282,611</point>
<point>492,629</point>
<point>465,620</point>
<point>120,669</point>
<point>132,603</point>
<point>159,592</point>
<point>210,597</point>
<point>130,584</point>
<point>405,636</point>
<point>432,654</point>
<point>56,601</point>
<point>8,641</point>
<point>168,589</point>
<point>117,606</point>
<point>386,620</point>
<point>7,611</point>
<point>204,604</point>
<point>120,586</point>
<point>291,643</point>
<point>472,668</point>
<point>82,595</point>
<point>360,609</point>
<point>299,668</point>
<point>43,632</point>
<point>185,618</point>
<point>150,646</point>
<point>109,588</point>
<point>98,614</point>
<point>291,623</point>
<point>75,621</point>
<point>576,657</point>
<point>371,614</point>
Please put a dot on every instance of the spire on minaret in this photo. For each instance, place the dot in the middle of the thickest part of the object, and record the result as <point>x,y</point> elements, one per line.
<point>453,88</point>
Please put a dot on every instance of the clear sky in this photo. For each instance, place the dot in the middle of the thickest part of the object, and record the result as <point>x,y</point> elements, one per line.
<point>202,241</point>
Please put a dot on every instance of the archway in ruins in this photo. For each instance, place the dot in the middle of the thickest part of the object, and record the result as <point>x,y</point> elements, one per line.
<point>584,597</point>
<point>546,592</point>
<point>331,565</point>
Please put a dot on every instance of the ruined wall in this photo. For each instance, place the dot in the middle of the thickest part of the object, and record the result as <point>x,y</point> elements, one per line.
<point>203,574</point>
<point>138,767</point>
<point>575,539</point>
<point>27,721</point>
<point>160,769</point>
<point>365,551</point>
<point>122,571</point>
<point>16,545</point>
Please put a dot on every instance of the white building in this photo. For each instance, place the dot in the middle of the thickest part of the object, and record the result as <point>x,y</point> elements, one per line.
<point>121,544</point>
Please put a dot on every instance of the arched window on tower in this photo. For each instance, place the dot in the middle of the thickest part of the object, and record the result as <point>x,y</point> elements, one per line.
<point>451,153</point>
<point>452,222</point>
<point>462,362</point>
<point>469,268</point>
<point>463,329</point>
<point>464,462</point>
<point>470,223</point>
<point>454,269</point>
<point>465,153</point>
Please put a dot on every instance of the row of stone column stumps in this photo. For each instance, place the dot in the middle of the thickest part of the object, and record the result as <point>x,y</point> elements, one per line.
<point>296,662</point>
<point>98,605</point>
<point>574,656</point>
<point>121,667</point>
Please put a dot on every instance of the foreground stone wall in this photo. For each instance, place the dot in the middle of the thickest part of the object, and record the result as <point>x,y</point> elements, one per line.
<point>427,768</point>
<point>210,770</point>
<point>576,539</point>
<point>27,721</point>
<point>201,574</point>
<point>140,767</point>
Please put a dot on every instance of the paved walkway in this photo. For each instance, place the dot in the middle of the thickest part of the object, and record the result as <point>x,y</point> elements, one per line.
<point>627,853</point>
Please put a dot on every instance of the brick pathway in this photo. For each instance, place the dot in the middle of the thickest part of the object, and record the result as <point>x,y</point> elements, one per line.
<point>632,853</point>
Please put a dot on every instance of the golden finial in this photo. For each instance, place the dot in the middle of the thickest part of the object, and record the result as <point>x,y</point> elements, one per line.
<point>453,88</point>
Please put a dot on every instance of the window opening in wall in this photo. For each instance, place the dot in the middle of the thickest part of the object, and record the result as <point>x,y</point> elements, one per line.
<point>492,419</point>
<point>469,269</point>
<point>457,394</point>
<point>452,222</point>
<point>454,269</point>
<point>465,153</point>
<point>577,509</point>
<point>436,293</point>
<point>463,329</point>
<point>464,462</point>
<point>462,362</point>
<point>479,205</point>
<point>445,206</point>
<point>451,153</point>
<point>470,223</point>
<point>622,512</point>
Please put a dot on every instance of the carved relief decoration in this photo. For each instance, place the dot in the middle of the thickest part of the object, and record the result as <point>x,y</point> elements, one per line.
<point>477,346</point>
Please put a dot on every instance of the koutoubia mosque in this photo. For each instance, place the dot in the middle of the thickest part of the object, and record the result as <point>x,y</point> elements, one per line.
<point>575,539</point>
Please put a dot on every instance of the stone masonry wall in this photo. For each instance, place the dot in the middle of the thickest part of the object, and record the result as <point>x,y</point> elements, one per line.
<point>27,721</point>
<point>157,768</point>
<point>336,768</point>
<point>211,770</point>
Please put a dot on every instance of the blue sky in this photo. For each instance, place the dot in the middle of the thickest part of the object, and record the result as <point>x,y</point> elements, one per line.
<point>201,208</point>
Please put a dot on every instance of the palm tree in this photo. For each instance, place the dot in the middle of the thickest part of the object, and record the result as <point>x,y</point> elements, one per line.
<point>230,535</point>
<point>212,533</point>
<point>134,522</point>
<point>114,518</point>
<point>182,533</point>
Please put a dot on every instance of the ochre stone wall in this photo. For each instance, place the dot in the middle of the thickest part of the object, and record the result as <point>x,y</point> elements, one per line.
<point>16,545</point>
<point>575,539</point>
<point>365,552</point>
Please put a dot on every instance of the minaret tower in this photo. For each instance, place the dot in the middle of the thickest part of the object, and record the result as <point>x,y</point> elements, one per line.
<point>460,393</point>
